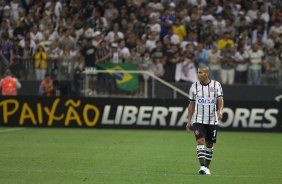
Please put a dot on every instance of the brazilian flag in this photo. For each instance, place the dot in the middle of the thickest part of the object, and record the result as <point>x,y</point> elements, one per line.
<point>124,81</point>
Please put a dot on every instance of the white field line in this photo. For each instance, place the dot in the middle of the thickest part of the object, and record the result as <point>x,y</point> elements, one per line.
<point>10,130</point>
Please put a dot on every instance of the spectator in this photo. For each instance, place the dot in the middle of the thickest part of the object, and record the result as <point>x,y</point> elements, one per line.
<point>209,43</point>
<point>179,29</point>
<point>154,24</point>
<point>146,64</point>
<point>194,26</point>
<point>142,16</point>
<point>252,13</point>
<point>256,61</point>
<point>135,57</point>
<point>185,69</point>
<point>226,39</point>
<point>66,64</point>
<point>88,52</point>
<point>68,39</point>
<point>158,52</point>
<point>150,43</point>
<point>242,22</point>
<point>242,62</point>
<point>97,39</point>
<point>158,67</point>
<point>137,25</point>
<point>28,42</point>
<point>15,10</point>
<point>273,64</point>
<point>197,3</point>
<point>36,35</point>
<point>131,41</point>
<point>229,27</point>
<point>227,65</point>
<point>258,33</point>
<point>219,24</point>
<point>115,54</point>
<point>40,62</point>
<point>53,58</point>
<point>46,87</point>
<point>17,66</point>
<point>6,52</point>
<point>9,85</point>
<point>217,7</point>
<point>124,51</point>
<point>172,37</point>
<point>97,21</point>
<point>69,23</point>
<point>277,27</point>
<point>77,78</point>
<point>214,64</point>
<point>130,6</point>
<point>7,12</point>
<point>166,21</point>
<point>172,58</point>
<point>201,56</point>
<point>207,16</point>
<point>115,35</point>
<point>110,12</point>
<point>103,54</point>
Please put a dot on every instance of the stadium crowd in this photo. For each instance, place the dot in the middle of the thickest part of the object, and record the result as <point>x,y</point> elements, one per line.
<point>240,40</point>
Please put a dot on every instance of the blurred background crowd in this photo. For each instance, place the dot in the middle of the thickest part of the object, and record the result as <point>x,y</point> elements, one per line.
<point>240,40</point>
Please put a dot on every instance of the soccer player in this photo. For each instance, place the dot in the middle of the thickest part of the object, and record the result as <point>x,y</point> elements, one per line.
<point>204,112</point>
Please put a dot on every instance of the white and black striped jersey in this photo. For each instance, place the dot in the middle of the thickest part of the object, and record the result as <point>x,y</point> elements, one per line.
<point>205,98</point>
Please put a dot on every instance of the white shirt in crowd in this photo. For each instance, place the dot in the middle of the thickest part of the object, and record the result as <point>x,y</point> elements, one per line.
<point>203,3</point>
<point>219,26</point>
<point>213,57</point>
<point>155,27</point>
<point>15,10</point>
<point>239,57</point>
<point>37,37</point>
<point>32,44</point>
<point>205,18</point>
<point>252,14</point>
<point>256,59</point>
<point>58,8</point>
<point>150,44</point>
<point>111,36</point>
<point>174,39</point>
<point>276,28</point>
<point>125,52</point>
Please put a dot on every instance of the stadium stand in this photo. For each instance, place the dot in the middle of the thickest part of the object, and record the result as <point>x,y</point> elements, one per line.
<point>241,39</point>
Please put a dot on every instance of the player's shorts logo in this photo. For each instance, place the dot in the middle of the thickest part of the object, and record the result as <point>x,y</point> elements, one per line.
<point>197,132</point>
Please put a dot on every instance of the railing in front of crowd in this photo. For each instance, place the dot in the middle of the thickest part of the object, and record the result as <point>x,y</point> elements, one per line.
<point>91,75</point>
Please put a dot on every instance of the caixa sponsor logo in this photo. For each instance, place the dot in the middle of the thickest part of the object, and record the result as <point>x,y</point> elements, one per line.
<point>205,101</point>
<point>250,118</point>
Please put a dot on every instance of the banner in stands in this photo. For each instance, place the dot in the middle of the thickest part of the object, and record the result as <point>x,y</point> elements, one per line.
<point>131,113</point>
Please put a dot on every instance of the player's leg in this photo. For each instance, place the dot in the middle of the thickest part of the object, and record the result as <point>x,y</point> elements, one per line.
<point>210,140</point>
<point>208,157</point>
<point>199,132</point>
<point>201,150</point>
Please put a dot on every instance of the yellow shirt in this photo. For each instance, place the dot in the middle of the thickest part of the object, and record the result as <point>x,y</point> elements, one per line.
<point>180,31</point>
<point>222,43</point>
<point>40,60</point>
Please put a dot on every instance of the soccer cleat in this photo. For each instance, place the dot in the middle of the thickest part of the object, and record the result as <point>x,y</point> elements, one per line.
<point>207,171</point>
<point>202,170</point>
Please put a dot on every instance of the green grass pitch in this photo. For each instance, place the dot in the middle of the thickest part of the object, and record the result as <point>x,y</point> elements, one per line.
<point>107,156</point>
